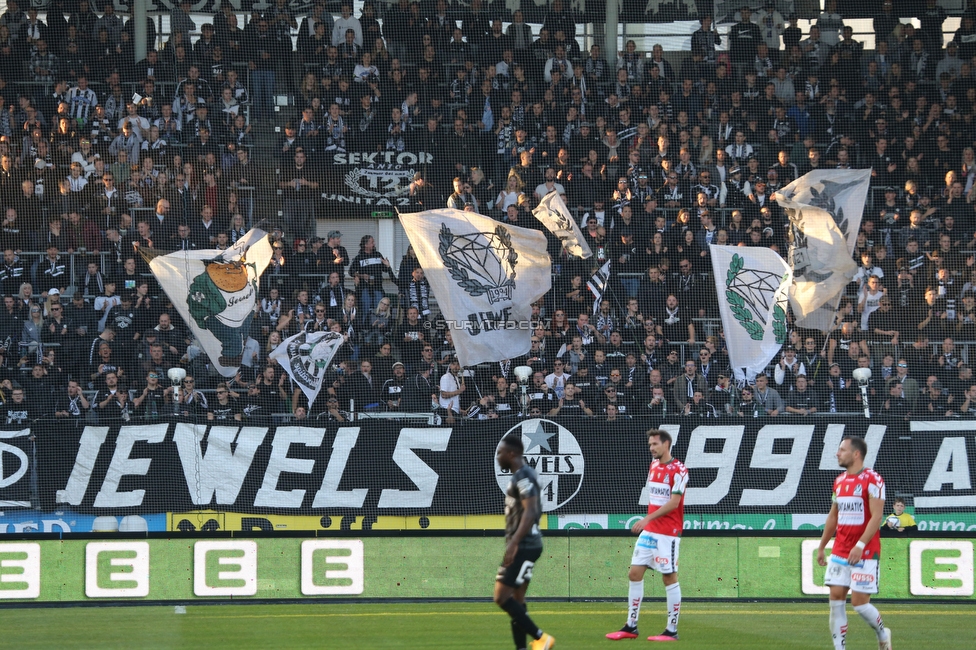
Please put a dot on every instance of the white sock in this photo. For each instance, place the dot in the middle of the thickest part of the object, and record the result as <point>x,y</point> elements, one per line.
<point>634,599</point>
<point>871,616</point>
<point>674,605</point>
<point>838,623</point>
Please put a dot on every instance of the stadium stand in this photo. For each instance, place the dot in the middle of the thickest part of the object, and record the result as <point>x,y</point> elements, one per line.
<point>303,121</point>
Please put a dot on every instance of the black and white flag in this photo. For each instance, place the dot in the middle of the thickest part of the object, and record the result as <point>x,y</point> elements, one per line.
<point>306,358</point>
<point>554,215</point>
<point>485,275</point>
<point>598,285</point>
<point>824,208</point>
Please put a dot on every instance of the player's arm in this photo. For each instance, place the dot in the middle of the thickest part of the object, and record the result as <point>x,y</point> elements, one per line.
<point>830,527</point>
<point>672,503</point>
<point>530,510</point>
<point>876,506</point>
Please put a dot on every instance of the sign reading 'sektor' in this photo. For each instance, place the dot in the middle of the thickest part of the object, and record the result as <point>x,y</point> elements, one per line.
<point>374,180</point>
<point>736,467</point>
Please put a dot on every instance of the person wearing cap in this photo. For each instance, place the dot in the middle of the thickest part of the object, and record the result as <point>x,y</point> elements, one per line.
<point>123,317</point>
<point>391,393</point>
<point>52,272</point>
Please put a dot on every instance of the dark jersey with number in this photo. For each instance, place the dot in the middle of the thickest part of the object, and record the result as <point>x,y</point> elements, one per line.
<point>524,484</point>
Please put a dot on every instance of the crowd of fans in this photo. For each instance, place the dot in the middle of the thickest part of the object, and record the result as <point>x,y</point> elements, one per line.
<point>658,157</point>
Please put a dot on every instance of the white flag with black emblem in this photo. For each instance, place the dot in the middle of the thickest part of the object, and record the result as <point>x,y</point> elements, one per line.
<point>554,215</point>
<point>306,358</point>
<point>753,287</point>
<point>485,276</point>
<point>824,209</point>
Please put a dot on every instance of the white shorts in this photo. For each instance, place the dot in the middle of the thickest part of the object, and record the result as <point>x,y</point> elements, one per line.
<point>862,577</point>
<point>656,551</point>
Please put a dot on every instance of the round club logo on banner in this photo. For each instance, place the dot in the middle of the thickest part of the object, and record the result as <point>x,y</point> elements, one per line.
<point>555,454</point>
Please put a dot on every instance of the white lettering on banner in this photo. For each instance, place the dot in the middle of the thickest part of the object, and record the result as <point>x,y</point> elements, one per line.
<point>956,554</point>
<point>418,471</point>
<point>109,496</point>
<point>29,575</point>
<point>764,458</point>
<point>241,555</point>
<point>723,461</point>
<point>832,439</point>
<point>335,582</point>
<point>269,496</point>
<point>329,495</point>
<point>808,554</point>
<point>951,466</point>
<point>8,478</point>
<point>92,439</point>
<point>135,579</point>
<point>221,470</point>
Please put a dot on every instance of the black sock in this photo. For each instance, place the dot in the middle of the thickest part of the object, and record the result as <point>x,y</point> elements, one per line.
<point>517,612</point>
<point>518,634</point>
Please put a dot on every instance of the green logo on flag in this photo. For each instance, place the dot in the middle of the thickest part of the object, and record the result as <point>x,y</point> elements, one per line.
<point>749,291</point>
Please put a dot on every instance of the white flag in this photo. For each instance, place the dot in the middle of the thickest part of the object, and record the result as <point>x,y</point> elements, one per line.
<point>554,215</point>
<point>753,285</point>
<point>824,208</point>
<point>215,292</point>
<point>597,285</point>
<point>306,358</point>
<point>486,275</point>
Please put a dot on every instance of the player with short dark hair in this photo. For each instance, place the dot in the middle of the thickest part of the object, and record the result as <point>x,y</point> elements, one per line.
<point>523,543</point>
<point>856,514</point>
<point>660,535</point>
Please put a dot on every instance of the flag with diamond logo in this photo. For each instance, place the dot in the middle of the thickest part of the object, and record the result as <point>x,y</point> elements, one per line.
<point>753,286</point>
<point>485,276</point>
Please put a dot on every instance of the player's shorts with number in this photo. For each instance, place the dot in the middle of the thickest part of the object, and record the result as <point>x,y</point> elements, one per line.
<point>520,570</point>
<point>862,577</point>
<point>656,551</point>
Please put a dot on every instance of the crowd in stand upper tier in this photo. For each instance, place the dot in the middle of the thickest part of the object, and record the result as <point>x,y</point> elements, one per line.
<point>658,156</point>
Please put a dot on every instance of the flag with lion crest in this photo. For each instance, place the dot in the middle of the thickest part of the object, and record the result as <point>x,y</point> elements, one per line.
<point>485,276</point>
<point>215,292</point>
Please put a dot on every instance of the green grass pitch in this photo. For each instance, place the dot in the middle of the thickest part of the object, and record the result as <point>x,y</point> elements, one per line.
<point>704,626</point>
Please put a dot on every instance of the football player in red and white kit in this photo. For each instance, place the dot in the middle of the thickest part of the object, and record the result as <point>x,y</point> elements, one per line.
<point>660,534</point>
<point>856,515</point>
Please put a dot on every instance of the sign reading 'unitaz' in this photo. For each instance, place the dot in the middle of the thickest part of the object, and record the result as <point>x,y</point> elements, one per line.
<point>737,467</point>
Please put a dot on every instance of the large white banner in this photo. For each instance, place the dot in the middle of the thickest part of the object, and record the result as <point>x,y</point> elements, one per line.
<point>215,293</point>
<point>554,215</point>
<point>485,275</point>
<point>306,358</point>
<point>753,285</point>
<point>824,208</point>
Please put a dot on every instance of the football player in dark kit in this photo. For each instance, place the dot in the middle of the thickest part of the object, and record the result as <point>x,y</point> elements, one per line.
<point>523,544</point>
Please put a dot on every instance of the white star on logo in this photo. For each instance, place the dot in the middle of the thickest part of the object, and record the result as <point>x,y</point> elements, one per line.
<point>537,437</point>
